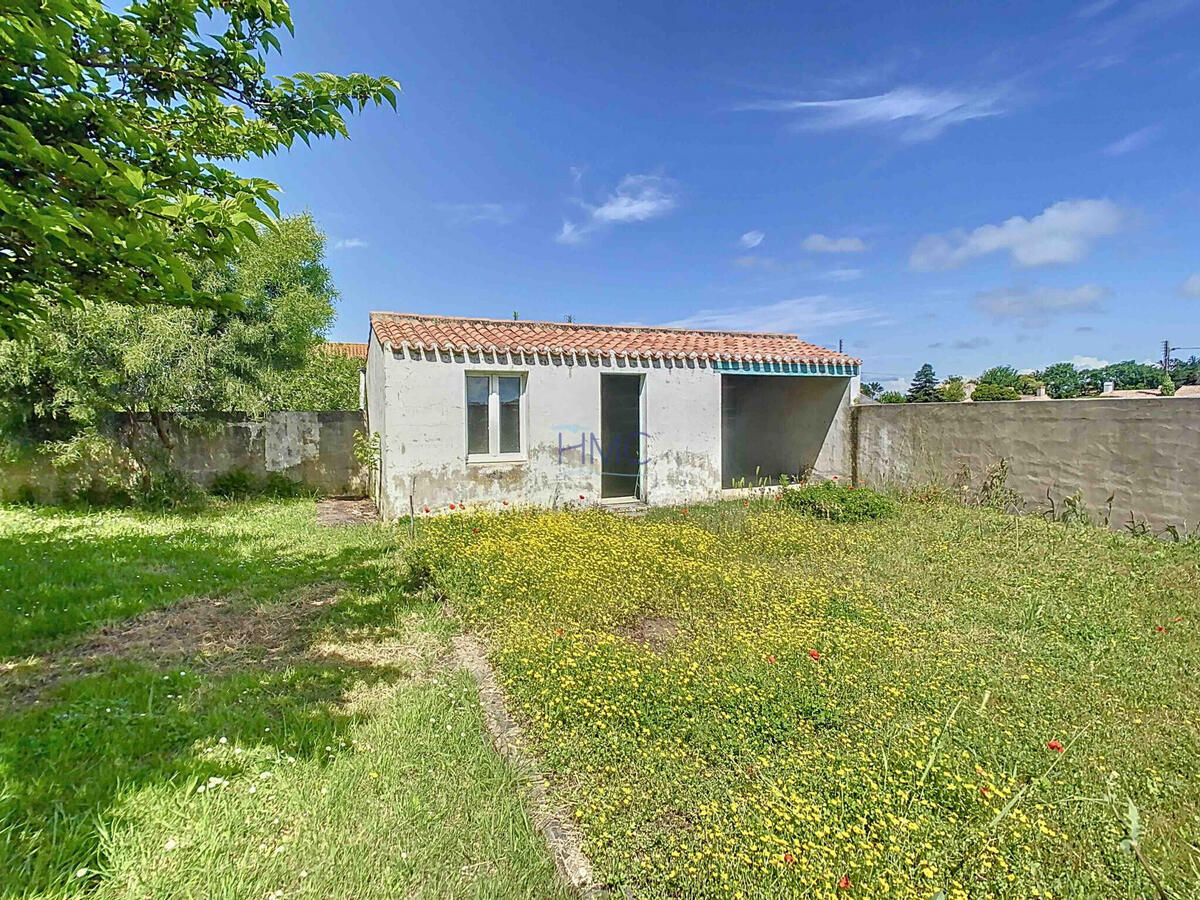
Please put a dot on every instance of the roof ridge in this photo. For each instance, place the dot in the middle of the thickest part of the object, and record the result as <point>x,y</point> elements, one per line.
<point>425,317</point>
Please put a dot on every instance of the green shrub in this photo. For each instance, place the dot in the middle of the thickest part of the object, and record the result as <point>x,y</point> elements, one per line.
<point>985,392</point>
<point>1167,389</point>
<point>892,397</point>
<point>234,484</point>
<point>953,390</point>
<point>829,500</point>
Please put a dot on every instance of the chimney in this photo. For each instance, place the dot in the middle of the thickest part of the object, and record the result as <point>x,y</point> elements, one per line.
<point>1041,391</point>
<point>1108,387</point>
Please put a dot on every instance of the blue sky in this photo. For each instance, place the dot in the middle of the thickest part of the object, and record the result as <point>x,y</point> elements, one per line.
<point>954,183</point>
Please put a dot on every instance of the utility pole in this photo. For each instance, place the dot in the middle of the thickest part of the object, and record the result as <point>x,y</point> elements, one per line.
<point>839,345</point>
<point>1167,356</point>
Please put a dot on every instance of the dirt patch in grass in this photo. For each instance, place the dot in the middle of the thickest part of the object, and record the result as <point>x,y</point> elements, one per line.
<point>213,634</point>
<point>346,512</point>
<point>655,633</point>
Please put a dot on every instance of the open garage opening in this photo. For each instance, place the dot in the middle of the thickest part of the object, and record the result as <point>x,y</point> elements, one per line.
<point>774,424</point>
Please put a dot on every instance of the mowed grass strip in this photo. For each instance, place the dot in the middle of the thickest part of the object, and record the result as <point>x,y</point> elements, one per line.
<point>349,762</point>
<point>741,701</point>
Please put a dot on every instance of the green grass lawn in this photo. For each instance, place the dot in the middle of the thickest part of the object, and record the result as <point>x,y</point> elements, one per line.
<point>738,700</point>
<point>734,700</point>
<point>322,747</point>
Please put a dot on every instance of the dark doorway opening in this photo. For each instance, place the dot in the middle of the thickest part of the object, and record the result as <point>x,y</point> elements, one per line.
<point>621,435</point>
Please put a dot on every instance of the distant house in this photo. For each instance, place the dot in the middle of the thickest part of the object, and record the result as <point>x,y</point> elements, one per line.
<point>493,410</point>
<point>341,348</point>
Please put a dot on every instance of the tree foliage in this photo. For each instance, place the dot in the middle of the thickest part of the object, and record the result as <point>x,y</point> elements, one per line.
<point>1062,381</point>
<point>1005,376</point>
<point>325,382</point>
<point>923,388</point>
<point>892,397</point>
<point>112,130</point>
<point>989,391</point>
<point>871,389</point>
<point>81,367</point>
<point>952,390</point>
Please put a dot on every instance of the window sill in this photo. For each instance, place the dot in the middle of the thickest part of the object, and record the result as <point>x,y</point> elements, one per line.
<point>485,459</point>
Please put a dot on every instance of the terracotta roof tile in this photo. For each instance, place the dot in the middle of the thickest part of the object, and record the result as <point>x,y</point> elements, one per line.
<point>503,335</point>
<point>348,349</point>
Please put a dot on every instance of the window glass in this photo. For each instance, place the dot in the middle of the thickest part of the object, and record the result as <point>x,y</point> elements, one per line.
<point>510,414</point>
<point>477,414</point>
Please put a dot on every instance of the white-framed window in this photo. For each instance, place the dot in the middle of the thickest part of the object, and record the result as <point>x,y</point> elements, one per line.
<point>495,416</point>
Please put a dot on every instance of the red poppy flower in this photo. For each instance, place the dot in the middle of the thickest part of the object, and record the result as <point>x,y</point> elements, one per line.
<point>844,882</point>
<point>1179,618</point>
<point>475,530</point>
<point>835,479</point>
<point>452,506</point>
<point>1159,628</point>
<point>745,503</point>
<point>1056,746</point>
<point>788,858</point>
<point>814,654</point>
<point>685,511</point>
<point>985,791</point>
<point>558,631</point>
<point>581,496</point>
<point>771,660</point>
<point>505,502</point>
<point>427,509</point>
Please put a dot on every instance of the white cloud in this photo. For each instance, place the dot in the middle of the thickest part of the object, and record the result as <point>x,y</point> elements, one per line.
<point>1191,286</point>
<point>1033,307</point>
<point>841,275</point>
<point>1135,140</point>
<point>348,243</point>
<point>819,243</point>
<point>636,198</point>
<point>1094,8</point>
<point>1062,233</point>
<point>1088,362</point>
<point>751,239</point>
<point>792,316</point>
<point>471,213</point>
<point>921,113</point>
<point>570,233</point>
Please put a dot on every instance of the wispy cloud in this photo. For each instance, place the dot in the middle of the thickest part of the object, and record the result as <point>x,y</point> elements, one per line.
<point>1033,307</point>
<point>798,315</point>
<point>472,213</point>
<point>1062,233</point>
<point>1089,362</point>
<point>751,239</point>
<point>1191,286</point>
<point>637,198</point>
<point>819,243</point>
<point>920,113</point>
<point>348,243</point>
<point>1135,140</point>
<point>1094,9</point>
<point>973,343</point>
<point>841,275</point>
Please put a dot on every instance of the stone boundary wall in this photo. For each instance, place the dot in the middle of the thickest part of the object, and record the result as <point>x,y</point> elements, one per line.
<point>1145,452</point>
<point>315,449</point>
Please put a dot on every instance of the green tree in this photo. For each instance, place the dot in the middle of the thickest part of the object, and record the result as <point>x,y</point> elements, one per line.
<point>1062,380</point>
<point>953,390</point>
<point>83,367</point>
<point>924,386</point>
<point>1005,376</point>
<point>986,392</point>
<point>871,389</point>
<point>1168,386</point>
<point>325,382</point>
<point>1029,384</point>
<point>892,397</point>
<point>112,130</point>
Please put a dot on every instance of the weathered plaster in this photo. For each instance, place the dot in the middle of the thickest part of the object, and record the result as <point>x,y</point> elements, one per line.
<point>416,401</point>
<point>1145,453</point>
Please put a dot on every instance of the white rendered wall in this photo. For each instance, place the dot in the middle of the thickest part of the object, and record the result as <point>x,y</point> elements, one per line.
<point>423,430</point>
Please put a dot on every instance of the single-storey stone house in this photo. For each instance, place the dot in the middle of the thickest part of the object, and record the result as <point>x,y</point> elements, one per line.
<point>492,410</point>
